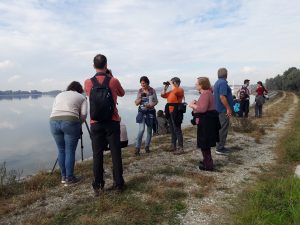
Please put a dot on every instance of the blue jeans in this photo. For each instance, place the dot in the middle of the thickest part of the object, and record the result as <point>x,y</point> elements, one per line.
<point>141,133</point>
<point>66,135</point>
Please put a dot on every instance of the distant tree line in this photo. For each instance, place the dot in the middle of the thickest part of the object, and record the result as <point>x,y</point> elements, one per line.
<point>288,81</point>
<point>32,92</point>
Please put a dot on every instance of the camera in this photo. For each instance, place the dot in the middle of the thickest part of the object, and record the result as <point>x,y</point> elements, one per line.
<point>166,83</point>
<point>143,95</point>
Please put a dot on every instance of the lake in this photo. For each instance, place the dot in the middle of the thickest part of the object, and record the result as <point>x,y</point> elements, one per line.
<point>26,142</point>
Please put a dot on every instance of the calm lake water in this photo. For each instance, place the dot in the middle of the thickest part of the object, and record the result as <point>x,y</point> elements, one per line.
<point>26,141</point>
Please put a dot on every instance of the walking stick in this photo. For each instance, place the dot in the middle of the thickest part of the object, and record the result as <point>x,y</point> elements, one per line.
<point>81,141</point>
<point>88,129</point>
<point>54,166</point>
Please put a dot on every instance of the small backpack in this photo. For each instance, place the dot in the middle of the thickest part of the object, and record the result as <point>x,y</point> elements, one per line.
<point>243,93</point>
<point>102,104</point>
<point>236,107</point>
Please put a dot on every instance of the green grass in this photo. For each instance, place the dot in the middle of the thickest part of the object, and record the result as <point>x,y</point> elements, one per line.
<point>141,203</point>
<point>275,202</point>
<point>275,199</point>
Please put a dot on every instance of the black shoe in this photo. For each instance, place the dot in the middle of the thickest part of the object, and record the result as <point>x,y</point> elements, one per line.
<point>117,188</point>
<point>201,167</point>
<point>137,152</point>
<point>147,149</point>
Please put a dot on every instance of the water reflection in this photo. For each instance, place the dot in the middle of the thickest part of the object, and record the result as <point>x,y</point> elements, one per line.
<point>26,141</point>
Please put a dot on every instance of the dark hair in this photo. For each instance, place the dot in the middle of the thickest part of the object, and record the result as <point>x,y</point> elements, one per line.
<point>176,80</point>
<point>246,81</point>
<point>145,79</point>
<point>75,86</point>
<point>100,61</point>
<point>160,113</point>
<point>261,84</point>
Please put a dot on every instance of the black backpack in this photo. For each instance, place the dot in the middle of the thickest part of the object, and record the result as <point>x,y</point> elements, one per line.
<point>102,104</point>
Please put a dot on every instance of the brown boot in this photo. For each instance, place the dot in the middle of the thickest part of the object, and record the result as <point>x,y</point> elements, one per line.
<point>172,148</point>
<point>178,151</point>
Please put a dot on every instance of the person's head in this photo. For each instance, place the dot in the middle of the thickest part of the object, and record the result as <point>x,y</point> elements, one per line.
<point>175,81</point>
<point>259,83</point>
<point>203,83</point>
<point>100,62</point>
<point>144,81</point>
<point>246,82</point>
<point>160,113</point>
<point>222,73</point>
<point>75,86</point>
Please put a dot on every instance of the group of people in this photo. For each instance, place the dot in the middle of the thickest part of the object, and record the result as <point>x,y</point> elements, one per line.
<point>242,101</point>
<point>211,114</point>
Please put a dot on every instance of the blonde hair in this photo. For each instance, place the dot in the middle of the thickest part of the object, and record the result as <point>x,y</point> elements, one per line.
<point>204,82</point>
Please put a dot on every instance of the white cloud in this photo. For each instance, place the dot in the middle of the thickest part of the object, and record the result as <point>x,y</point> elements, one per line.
<point>13,78</point>
<point>47,80</point>
<point>248,69</point>
<point>5,64</point>
<point>6,125</point>
<point>155,38</point>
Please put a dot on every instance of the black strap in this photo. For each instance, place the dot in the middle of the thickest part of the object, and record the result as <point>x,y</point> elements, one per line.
<point>105,83</point>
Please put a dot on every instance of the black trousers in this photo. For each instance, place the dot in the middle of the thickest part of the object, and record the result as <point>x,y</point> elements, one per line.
<point>244,108</point>
<point>103,133</point>
<point>176,132</point>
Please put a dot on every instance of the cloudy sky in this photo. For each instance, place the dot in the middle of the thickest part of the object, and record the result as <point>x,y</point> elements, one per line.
<point>45,44</point>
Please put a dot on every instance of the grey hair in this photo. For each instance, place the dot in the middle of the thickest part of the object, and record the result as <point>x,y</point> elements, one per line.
<point>222,73</point>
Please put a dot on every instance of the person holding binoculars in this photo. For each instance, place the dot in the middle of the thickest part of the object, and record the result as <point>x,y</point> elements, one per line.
<point>174,112</point>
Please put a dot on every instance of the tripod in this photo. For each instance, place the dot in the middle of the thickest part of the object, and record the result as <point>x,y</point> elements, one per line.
<point>81,145</point>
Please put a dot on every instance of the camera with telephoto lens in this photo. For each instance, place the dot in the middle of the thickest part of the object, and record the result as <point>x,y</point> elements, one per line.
<point>166,83</point>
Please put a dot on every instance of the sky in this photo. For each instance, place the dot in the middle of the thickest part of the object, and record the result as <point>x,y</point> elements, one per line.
<point>46,44</point>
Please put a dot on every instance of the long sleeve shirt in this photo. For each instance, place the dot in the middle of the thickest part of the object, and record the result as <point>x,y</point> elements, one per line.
<point>69,103</point>
<point>205,102</point>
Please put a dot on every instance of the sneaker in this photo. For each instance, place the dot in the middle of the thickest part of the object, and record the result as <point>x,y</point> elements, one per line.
<point>147,149</point>
<point>178,151</point>
<point>71,181</point>
<point>63,180</point>
<point>223,151</point>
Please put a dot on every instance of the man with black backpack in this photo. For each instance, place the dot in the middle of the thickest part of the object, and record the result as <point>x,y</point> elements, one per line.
<point>103,90</point>
<point>244,96</point>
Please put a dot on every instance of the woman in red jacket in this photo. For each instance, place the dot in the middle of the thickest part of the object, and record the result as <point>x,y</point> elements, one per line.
<point>261,91</point>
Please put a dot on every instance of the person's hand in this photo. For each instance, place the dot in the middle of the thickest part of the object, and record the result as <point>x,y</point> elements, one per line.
<point>192,103</point>
<point>147,105</point>
<point>229,112</point>
<point>109,71</point>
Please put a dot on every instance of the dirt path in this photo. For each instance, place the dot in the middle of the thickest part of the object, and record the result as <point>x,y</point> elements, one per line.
<point>247,159</point>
